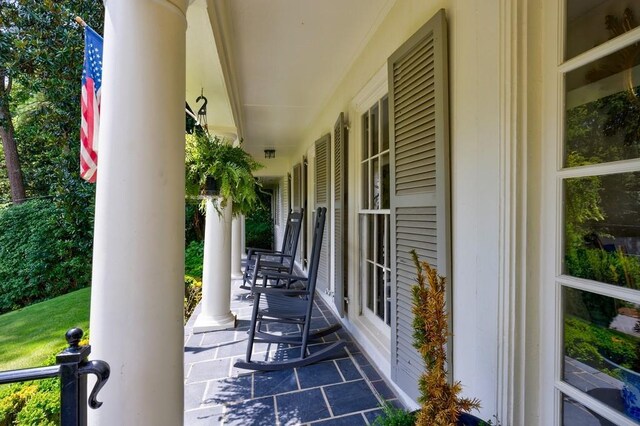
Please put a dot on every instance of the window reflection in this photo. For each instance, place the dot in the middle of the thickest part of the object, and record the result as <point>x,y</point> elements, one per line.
<point>591,23</point>
<point>603,110</point>
<point>602,349</point>
<point>602,228</point>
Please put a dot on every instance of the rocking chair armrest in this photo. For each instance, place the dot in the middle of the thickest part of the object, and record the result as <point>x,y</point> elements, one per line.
<point>282,276</point>
<point>254,251</point>
<point>280,291</point>
<point>280,255</point>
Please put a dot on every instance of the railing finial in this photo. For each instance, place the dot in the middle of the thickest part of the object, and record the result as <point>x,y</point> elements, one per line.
<point>74,336</point>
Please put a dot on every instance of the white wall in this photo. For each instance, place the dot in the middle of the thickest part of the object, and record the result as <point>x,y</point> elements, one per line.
<point>474,91</point>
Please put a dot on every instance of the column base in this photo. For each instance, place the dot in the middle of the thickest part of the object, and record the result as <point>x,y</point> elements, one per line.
<point>204,324</point>
<point>236,275</point>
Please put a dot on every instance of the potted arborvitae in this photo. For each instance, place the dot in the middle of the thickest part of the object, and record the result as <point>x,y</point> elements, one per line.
<point>441,403</point>
<point>217,168</point>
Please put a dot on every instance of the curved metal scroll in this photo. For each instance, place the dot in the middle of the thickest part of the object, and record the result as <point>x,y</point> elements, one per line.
<point>101,370</point>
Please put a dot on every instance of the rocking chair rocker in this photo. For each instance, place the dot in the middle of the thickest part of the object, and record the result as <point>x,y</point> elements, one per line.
<point>290,306</point>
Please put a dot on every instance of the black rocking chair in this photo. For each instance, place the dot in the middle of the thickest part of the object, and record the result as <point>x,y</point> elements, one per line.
<point>290,306</point>
<point>282,261</point>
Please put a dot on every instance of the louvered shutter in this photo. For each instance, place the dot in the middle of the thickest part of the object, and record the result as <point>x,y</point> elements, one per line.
<point>340,204</point>
<point>322,181</point>
<point>418,110</point>
<point>297,202</point>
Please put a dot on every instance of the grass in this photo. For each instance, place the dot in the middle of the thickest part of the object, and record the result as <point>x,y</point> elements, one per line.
<point>30,335</point>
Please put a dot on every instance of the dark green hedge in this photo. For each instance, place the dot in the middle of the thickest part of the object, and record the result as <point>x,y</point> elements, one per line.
<point>42,255</point>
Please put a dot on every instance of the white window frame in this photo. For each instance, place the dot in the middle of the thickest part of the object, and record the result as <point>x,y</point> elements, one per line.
<point>372,92</point>
<point>554,174</point>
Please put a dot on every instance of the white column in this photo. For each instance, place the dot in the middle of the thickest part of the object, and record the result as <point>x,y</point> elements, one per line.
<point>138,255</point>
<point>243,237</point>
<point>216,284</point>
<point>236,247</point>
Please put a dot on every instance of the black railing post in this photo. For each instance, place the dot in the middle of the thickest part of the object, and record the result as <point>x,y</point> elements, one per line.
<point>73,385</point>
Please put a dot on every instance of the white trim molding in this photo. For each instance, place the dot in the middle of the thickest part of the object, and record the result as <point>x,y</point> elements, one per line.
<point>223,34</point>
<point>512,212</point>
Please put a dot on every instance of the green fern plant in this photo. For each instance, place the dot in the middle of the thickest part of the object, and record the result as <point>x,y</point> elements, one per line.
<point>231,167</point>
<point>441,403</point>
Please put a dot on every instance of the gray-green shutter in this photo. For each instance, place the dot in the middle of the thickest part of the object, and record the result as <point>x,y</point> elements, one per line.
<point>297,202</point>
<point>340,205</point>
<point>420,182</point>
<point>323,181</point>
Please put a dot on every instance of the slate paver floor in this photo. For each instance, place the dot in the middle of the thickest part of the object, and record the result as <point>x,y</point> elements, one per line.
<point>343,390</point>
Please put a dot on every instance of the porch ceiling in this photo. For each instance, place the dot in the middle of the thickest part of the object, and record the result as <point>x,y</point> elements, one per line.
<point>204,72</point>
<point>285,58</point>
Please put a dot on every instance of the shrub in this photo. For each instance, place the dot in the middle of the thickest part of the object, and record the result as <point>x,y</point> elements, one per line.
<point>259,228</point>
<point>39,256</point>
<point>392,416</point>
<point>193,258</point>
<point>441,403</point>
<point>34,403</point>
<point>192,295</point>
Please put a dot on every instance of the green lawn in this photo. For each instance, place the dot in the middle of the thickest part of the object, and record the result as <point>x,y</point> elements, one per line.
<point>30,335</point>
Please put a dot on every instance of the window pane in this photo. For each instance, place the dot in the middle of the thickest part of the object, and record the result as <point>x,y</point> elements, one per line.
<point>380,291</point>
<point>591,23</point>
<point>602,228</point>
<point>376,187</point>
<point>380,219</point>
<point>576,414</point>
<point>365,136</point>
<point>601,348</point>
<point>603,110</point>
<point>374,130</point>
<point>384,118</point>
<point>370,236</point>
<point>385,181</point>
<point>365,185</point>
<point>370,285</point>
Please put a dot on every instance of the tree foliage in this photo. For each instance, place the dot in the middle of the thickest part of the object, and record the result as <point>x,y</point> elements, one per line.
<point>41,49</point>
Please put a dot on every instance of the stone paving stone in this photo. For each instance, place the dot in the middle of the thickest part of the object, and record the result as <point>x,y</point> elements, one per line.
<point>205,416</point>
<point>227,391</point>
<point>194,340</point>
<point>301,407</point>
<point>383,390</point>
<point>349,397</point>
<point>255,412</point>
<point>371,372</point>
<point>217,337</point>
<point>352,420</point>
<point>322,373</point>
<point>196,353</point>
<point>372,415</point>
<point>338,354</point>
<point>193,395</point>
<point>274,382</point>
<point>208,370</point>
<point>348,369</point>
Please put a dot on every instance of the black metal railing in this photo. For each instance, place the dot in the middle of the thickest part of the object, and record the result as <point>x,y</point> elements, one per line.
<point>72,367</point>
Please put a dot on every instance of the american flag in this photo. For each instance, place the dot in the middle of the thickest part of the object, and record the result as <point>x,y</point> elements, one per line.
<point>90,104</point>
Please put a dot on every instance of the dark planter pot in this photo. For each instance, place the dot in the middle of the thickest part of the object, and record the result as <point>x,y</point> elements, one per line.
<point>467,419</point>
<point>211,186</point>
